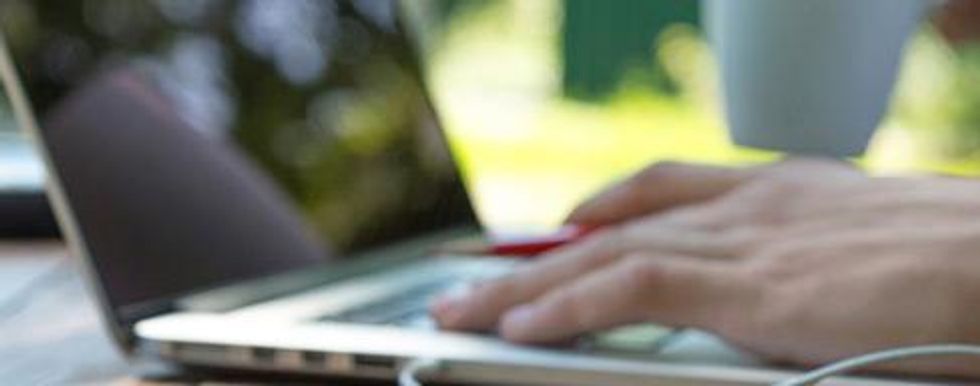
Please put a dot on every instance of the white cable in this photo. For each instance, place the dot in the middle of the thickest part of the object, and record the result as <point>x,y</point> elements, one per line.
<point>837,368</point>
<point>408,375</point>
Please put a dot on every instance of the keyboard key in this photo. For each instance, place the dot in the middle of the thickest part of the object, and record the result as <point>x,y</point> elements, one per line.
<point>400,308</point>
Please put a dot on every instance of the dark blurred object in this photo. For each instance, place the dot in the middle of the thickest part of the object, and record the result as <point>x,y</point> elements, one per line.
<point>24,210</point>
<point>604,40</point>
<point>959,21</point>
<point>26,215</point>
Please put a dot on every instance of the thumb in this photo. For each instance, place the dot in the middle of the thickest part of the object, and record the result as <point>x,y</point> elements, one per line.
<point>658,187</point>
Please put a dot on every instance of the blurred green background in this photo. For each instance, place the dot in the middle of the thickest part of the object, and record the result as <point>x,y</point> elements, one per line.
<point>547,101</point>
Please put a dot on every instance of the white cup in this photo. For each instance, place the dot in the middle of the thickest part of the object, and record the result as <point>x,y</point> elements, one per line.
<point>809,76</point>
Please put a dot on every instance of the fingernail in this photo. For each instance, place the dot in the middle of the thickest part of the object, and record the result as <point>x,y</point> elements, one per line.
<point>519,318</point>
<point>447,304</point>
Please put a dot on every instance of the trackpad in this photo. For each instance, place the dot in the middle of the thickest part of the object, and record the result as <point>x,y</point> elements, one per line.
<point>634,340</point>
<point>702,347</point>
<point>649,341</point>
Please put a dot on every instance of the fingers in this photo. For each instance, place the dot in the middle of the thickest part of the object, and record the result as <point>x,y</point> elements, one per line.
<point>661,186</point>
<point>674,291</point>
<point>480,307</point>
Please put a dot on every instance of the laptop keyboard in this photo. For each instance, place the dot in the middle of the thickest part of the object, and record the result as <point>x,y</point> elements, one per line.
<point>409,307</point>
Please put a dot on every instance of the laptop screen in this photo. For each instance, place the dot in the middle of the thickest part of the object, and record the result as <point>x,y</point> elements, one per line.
<point>191,137</point>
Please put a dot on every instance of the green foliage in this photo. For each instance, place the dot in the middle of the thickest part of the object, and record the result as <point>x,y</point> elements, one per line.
<point>604,40</point>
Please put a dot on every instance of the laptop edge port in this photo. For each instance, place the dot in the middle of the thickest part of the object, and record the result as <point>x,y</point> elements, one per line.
<point>375,362</point>
<point>262,355</point>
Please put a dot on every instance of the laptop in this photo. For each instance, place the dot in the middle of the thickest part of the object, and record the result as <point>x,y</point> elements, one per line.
<point>264,185</point>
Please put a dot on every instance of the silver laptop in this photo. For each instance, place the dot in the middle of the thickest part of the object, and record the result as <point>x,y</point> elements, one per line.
<point>263,185</point>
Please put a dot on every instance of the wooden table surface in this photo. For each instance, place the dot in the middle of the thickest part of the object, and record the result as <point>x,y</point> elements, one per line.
<point>50,333</point>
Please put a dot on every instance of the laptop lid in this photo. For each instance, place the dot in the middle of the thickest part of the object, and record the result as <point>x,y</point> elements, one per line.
<point>196,144</point>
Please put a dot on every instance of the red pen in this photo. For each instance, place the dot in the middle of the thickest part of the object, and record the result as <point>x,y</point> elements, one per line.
<point>521,246</point>
<point>536,245</point>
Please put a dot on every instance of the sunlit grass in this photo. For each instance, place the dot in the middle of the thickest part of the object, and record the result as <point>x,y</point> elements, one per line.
<point>577,148</point>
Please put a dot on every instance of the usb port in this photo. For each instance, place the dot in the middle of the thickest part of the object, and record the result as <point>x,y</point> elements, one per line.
<point>314,359</point>
<point>263,355</point>
<point>376,362</point>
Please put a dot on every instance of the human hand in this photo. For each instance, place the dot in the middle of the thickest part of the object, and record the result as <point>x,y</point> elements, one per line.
<point>804,261</point>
